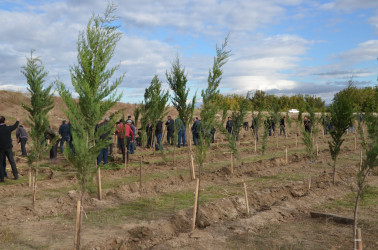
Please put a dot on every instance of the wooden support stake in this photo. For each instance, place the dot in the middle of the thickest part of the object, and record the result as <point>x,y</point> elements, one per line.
<point>34,190</point>
<point>99,188</point>
<point>195,205</point>
<point>246,198</point>
<point>126,158</point>
<point>309,181</point>
<point>359,239</point>
<point>232,163</point>
<point>192,167</point>
<point>255,145</point>
<point>355,142</point>
<point>140,173</point>
<point>296,140</point>
<point>77,228</point>
<point>286,158</point>
<point>317,149</point>
<point>360,160</point>
<point>30,177</point>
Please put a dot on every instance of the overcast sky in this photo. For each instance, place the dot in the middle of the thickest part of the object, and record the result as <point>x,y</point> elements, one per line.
<point>280,46</point>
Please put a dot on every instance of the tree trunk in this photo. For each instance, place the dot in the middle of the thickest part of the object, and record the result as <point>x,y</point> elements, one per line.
<point>334,172</point>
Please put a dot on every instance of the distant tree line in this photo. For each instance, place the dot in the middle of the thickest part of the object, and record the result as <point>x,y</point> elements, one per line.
<point>363,100</point>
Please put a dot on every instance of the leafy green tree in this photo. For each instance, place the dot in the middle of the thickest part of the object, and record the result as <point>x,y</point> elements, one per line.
<point>342,115</point>
<point>41,102</point>
<point>91,79</point>
<point>370,147</point>
<point>210,105</point>
<point>154,104</point>
<point>177,80</point>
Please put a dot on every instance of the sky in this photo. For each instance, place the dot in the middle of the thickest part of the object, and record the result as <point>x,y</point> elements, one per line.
<point>283,47</point>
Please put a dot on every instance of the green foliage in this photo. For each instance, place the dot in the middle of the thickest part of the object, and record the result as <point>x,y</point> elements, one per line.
<point>288,119</point>
<point>41,102</point>
<point>210,105</point>
<point>137,111</point>
<point>177,79</point>
<point>154,106</point>
<point>342,114</point>
<point>284,103</point>
<point>238,117</point>
<point>91,81</point>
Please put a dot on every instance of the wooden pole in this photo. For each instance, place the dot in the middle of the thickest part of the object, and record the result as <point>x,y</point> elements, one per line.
<point>30,177</point>
<point>246,198</point>
<point>140,173</point>
<point>355,142</point>
<point>317,149</point>
<point>232,163</point>
<point>77,228</point>
<point>125,158</point>
<point>309,181</point>
<point>34,190</point>
<point>190,165</point>
<point>255,145</point>
<point>99,188</point>
<point>286,158</point>
<point>195,205</point>
<point>296,140</point>
<point>360,160</point>
<point>359,239</point>
<point>192,168</point>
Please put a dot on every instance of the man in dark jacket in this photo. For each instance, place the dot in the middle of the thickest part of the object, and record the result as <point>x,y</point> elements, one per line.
<point>170,129</point>
<point>6,147</point>
<point>65,134</point>
<point>104,153</point>
<point>51,135</point>
<point>229,125</point>
<point>159,135</point>
<point>22,138</point>
<point>181,132</point>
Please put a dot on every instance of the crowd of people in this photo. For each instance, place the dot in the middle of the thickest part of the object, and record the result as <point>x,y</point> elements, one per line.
<point>128,136</point>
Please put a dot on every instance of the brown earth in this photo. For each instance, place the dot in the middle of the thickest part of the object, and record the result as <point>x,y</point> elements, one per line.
<point>158,215</point>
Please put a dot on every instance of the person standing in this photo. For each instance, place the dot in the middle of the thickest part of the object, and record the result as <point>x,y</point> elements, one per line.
<point>170,129</point>
<point>194,129</point>
<point>104,153</point>
<point>229,125</point>
<point>181,133</point>
<point>255,127</point>
<point>131,144</point>
<point>159,135</point>
<point>6,147</point>
<point>22,138</point>
<point>124,132</point>
<point>149,134</point>
<point>282,125</point>
<point>65,134</point>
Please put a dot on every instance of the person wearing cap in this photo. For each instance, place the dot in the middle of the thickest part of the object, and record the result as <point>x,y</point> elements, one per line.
<point>65,134</point>
<point>22,138</point>
<point>6,147</point>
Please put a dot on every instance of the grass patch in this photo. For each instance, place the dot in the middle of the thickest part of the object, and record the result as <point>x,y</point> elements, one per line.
<point>156,207</point>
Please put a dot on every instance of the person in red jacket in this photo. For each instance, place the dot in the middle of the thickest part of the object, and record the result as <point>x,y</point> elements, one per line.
<point>6,147</point>
<point>124,131</point>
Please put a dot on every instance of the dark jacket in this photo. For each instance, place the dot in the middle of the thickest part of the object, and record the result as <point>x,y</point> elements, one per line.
<point>149,130</point>
<point>159,128</point>
<point>229,125</point>
<point>64,130</point>
<point>21,133</point>
<point>5,135</point>
<point>170,125</point>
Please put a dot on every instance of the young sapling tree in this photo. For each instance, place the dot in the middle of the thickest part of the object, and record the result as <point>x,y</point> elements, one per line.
<point>41,102</point>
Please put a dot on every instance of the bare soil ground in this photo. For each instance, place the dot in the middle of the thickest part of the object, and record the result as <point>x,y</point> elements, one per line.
<point>158,215</point>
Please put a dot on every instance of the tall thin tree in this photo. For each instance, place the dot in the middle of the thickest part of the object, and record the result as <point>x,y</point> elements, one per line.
<point>41,102</point>
<point>91,79</point>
